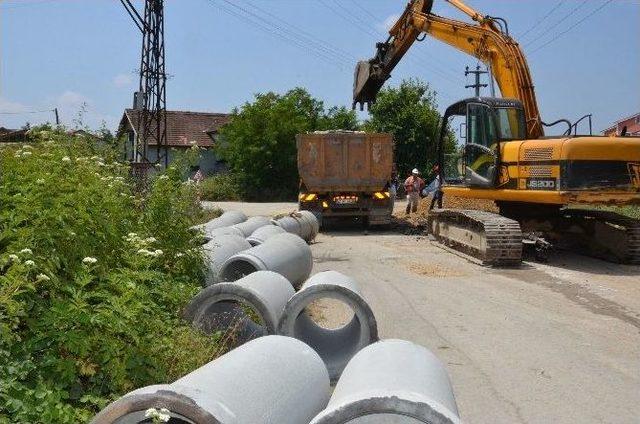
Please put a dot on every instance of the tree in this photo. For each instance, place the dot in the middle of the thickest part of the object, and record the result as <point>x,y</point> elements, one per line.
<point>259,142</point>
<point>409,113</point>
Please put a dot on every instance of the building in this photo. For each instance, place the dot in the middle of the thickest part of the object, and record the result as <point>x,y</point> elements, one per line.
<point>632,123</point>
<point>13,136</point>
<point>184,129</point>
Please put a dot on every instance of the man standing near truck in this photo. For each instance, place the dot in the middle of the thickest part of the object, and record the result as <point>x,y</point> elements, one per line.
<point>413,186</point>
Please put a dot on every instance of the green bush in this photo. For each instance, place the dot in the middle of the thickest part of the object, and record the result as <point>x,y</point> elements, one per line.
<point>221,187</point>
<point>259,141</point>
<point>92,280</point>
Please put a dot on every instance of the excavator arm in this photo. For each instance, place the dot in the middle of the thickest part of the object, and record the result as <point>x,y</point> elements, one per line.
<point>487,39</point>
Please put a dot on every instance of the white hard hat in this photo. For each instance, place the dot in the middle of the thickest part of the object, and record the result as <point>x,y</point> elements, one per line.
<point>415,171</point>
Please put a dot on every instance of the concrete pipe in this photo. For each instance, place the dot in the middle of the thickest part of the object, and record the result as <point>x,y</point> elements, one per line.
<point>252,224</point>
<point>220,307</point>
<point>392,381</point>
<point>303,223</point>
<point>227,219</point>
<point>272,379</point>
<point>217,251</point>
<point>335,346</point>
<point>261,234</point>
<point>313,222</point>
<point>286,254</point>
<point>223,231</point>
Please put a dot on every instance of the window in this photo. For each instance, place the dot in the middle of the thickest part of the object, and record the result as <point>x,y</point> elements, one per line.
<point>480,125</point>
<point>511,124</point>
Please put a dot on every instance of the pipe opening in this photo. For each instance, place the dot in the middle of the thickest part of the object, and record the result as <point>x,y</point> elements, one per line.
<point>330,314</point>
<point>236,321</point>
<point>138,417</point>
<point>335,346</point>
<point>237,269</point>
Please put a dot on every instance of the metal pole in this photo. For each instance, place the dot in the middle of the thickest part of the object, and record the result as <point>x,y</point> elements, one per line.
<point>57,117</point>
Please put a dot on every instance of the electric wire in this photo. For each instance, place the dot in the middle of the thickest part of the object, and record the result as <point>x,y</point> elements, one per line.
<point>310,37</point>
<point>561,20</point>
<point>541,20</point>
<point>270,28</point>
<point>27,112</point>
<point>593,12</point>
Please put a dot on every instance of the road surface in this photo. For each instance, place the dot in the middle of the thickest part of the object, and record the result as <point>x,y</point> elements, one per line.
<point>556,342</point>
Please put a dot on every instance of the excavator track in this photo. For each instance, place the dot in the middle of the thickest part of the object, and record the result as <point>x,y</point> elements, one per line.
<point>603,234</point>
<point>488,237</point>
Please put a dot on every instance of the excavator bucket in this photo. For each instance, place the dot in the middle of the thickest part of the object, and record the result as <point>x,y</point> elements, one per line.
<point>366,83</point>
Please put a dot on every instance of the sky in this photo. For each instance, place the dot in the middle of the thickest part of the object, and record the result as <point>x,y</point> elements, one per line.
<point>584,55</point>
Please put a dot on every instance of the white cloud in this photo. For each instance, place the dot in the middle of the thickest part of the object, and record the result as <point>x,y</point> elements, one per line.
<point>71,100</point>
<point>11,107</point>
<point>122,80</point>
<point>388,23</point>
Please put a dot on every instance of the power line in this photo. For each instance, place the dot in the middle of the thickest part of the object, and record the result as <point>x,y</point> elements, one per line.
<point>273,29</point>
<point>27,112</point>
<point>23,4</point>
<point>310,37</point>
<point>541,20</point>
<point>593,12</point>
<point>365,10</point>
<point>564,18</point>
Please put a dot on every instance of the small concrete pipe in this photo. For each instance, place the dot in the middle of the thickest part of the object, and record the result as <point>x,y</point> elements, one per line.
<point>335,346</point>
<point>224,231</point>
<point>272,379</point>
<point>261,234</point>
<point>217,251</point>
<point>392,381</point>
<point>303,223</point>
<point>313,221</point>
<point>252,224</point>
<point>219,307</point>
<point>286,254</point>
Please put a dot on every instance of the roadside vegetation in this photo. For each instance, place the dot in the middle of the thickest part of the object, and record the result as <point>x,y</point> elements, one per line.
<point>259,144</point>
<point>93,277</point>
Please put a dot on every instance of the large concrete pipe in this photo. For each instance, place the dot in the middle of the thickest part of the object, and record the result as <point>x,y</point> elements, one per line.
<point>303,223</point>
<point>252,224</point>
<point>223,231</point>
<point>286,254</point>
<point>220,307</point>
<point>217,251</point>
<point>335,346</point>
<point>272,379</point>
<point>392,381</point>
<point>261,234</point>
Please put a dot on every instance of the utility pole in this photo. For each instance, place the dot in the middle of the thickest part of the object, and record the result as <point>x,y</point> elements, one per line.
<point>477,74</point>
<point>57,117</point>
<point>150,101</point>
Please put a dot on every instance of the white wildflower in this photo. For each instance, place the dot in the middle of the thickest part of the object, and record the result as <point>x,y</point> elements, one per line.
<point>14,258</point>
<point>96,158</point>
<point>158,252</point>
<point>26,146</point>
<point>29,262</point>
<point>26,251</point>
<point>40,181</point>
<point>18,154</point>
<point>163,177</point>
<point>132,235</point>
<point>89,260</point>
<point>150,240</point>
<point>27,153</point>
<point>42,277</point>
<point>66,159</point>
<point>179,255</point>
<point>145,252</point>
<point>161,416</point>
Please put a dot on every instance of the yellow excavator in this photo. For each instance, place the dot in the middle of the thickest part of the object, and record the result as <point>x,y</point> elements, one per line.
<point>507,158</point>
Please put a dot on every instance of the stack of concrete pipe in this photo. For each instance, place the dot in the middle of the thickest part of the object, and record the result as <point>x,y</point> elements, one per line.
<point>276,379</point>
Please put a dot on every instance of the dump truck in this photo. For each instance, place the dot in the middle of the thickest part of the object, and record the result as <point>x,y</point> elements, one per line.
<point>346,174</point>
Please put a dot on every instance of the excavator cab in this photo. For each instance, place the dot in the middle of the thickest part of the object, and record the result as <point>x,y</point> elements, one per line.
<point>487,122</point>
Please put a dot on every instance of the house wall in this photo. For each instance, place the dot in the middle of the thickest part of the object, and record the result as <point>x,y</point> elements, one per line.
<point>208,162</point>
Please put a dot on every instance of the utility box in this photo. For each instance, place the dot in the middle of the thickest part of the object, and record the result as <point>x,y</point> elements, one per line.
<point>346,174</point>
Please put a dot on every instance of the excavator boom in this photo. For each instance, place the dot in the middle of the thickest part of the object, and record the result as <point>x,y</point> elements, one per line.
<point>487,40</point>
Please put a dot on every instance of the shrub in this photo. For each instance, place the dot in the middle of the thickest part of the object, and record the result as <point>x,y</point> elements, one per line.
<point>92,280</point>
<point>221,187</point>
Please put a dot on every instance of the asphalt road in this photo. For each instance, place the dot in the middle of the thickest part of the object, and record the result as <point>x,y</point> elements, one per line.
<point>558,342</point>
